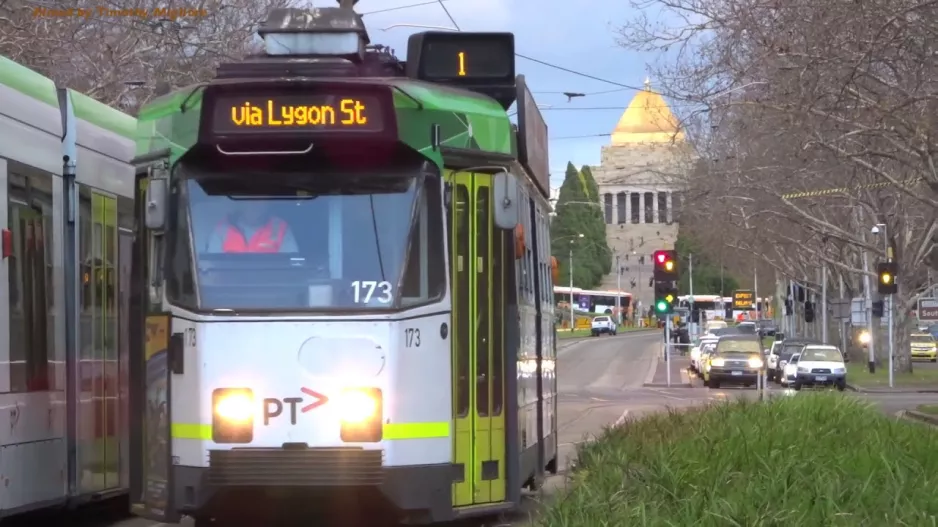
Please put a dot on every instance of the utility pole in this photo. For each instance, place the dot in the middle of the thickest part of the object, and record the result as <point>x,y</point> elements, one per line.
<point>690,276</point>
<point>869,311</point>
<point>824,303</point>
<point>618,291</point>
<point>843,323</point>
<point>755,291</point>
<point>571,286</point>
<point>791,317</point>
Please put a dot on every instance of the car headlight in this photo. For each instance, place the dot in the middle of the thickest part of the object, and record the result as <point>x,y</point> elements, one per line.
<point>233,411</point>
<point>361,413</point>
<point>755,362</point>
<point>719,363</point>
<point>840,370</point>
<point>802,370</point>
<point>865,337</point>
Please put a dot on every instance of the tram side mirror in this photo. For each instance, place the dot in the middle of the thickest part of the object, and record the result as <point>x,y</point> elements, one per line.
<point>505,194</point>
<point>156,201</point>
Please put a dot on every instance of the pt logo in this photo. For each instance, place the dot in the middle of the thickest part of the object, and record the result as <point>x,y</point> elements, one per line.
<point>273,406</point>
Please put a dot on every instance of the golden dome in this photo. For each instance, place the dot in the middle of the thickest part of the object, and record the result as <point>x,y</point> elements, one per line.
<point>647,120</point>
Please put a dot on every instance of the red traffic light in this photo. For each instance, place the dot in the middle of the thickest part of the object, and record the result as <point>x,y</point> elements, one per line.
<point>665,265</point>
<point>661,256</point>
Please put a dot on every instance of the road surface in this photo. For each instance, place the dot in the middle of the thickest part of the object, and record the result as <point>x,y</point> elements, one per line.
<point>601,381</point>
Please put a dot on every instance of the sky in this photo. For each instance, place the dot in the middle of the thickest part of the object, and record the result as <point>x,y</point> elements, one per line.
<point>578,35</point>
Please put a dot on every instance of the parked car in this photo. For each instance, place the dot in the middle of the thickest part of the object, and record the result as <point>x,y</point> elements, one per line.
<point>924,346</point>
<point>771,359</point>
<point>789,370</point>
<point>696,351</point>
<point>820,365</point>
<point>788,348</point>
<point>603,325</point>
<point>766,327</point>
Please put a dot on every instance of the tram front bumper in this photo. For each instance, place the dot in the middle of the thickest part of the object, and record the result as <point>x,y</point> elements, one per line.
<point>423,491</point>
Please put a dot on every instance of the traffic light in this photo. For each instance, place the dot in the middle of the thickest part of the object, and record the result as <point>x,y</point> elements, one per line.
<point>665,266</point>
<point>887,277</point>
<point>878,308</point>
<point>809,312</point>
<point>665,297</point>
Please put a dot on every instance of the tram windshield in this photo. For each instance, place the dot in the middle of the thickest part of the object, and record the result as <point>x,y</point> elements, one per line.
<point>305,242</point>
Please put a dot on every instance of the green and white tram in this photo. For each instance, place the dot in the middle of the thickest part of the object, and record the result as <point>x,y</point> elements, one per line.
<point>66,226</point>
<point>400,347</point>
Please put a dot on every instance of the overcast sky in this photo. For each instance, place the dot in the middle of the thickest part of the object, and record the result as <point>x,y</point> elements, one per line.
<point>575,34</point>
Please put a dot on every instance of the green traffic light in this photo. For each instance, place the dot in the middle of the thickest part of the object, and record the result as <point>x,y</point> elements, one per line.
<point>662,305</point>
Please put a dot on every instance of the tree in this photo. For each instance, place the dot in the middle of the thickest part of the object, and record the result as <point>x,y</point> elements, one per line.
<point>125,53</point>
<point>579,213</point>
<point>709,273</point>
<point>788,101</point>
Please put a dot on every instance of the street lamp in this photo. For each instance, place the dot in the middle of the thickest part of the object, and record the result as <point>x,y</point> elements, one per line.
<point>887,307</point>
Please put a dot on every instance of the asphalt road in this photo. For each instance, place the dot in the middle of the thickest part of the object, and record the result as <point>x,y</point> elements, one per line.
<point>600,382</point>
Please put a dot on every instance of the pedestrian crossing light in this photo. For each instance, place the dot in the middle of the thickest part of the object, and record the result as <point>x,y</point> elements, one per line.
<point>887,272</point>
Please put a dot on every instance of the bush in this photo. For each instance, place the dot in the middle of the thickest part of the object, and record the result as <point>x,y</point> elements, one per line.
<point>811,460</point>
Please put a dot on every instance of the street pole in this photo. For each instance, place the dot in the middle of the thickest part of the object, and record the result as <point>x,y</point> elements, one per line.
<point>869,311</point>
<point>824,304</point>
<point>889,313</point>
<point>618,292</point>
<point>571,286</point>
<point>690,276</point>
<point>791,317</point>
<point>667,347</point>
<point>755,291</point>
<point>843,323</point>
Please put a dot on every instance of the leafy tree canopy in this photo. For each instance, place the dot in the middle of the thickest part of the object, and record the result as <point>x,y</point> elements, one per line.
<point>579,212</point>
<point>710,276</point>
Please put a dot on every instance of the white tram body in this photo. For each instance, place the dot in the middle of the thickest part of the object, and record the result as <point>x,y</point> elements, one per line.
<point>63,293</point>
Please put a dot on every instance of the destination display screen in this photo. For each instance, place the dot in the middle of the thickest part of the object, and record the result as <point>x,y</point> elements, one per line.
<point>466,57</point>
<point>314,113</point>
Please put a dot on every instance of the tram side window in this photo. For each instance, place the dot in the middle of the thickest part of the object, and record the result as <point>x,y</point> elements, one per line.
<point>180,284</point>
<point>30,278</point>
<point>425,276</point>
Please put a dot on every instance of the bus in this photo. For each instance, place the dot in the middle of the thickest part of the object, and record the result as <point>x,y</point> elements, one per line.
<point>67,233</point>
<point>398,355</point>
<point>592,301</point>
<point>717,307</point>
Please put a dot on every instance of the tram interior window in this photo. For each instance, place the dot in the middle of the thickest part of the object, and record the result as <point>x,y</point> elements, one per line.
<point>30,279</point>
<point>425,276</point>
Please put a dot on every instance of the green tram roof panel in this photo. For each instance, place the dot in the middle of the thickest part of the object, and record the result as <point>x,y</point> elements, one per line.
<point>468,121</point>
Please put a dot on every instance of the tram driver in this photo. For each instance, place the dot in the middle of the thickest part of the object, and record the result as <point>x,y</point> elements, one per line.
<point>250,227</point>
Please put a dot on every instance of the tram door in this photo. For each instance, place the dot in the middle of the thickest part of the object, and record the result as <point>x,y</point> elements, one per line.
<point>478,278</point>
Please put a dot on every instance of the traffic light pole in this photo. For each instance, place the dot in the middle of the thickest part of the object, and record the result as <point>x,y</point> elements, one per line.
<point>667,347</point>
<point>891,350</point>
<point>869,311</point>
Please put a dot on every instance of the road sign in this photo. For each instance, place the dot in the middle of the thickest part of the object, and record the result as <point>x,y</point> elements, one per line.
<point>743,299</point>
<point>840,308</point>
<point>928,309</point>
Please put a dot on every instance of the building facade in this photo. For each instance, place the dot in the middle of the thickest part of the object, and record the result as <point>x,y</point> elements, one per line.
<point>640,177</point>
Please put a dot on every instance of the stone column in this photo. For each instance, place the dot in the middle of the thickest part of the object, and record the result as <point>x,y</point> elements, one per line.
<point>615,207</point>
<point>670,207</point>
<point>641,207</point>
<point>654,207</point>
<point>628,207</point>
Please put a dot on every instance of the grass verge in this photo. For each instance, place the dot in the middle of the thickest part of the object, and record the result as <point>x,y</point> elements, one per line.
<point>814,459</point>
<point>859,375</point>
<point>930,409</point>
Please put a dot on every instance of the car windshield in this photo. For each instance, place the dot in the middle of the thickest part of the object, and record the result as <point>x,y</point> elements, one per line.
<point>821,355</point>
<point>601,319</point>
<point>794,359</point>
<point>738,346</point>
<point>305,242</point>
<point>788,350</point>
<point>919,339</point>
<point>725,331</point>
<point>746,328</point>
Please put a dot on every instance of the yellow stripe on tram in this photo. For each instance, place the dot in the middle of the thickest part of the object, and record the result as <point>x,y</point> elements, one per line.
<point>392,431</point>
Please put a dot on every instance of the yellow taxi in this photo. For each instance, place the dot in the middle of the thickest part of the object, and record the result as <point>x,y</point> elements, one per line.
<point>924,347</point>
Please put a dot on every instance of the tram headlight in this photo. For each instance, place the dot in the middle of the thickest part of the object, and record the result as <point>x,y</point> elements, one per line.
<point>361,413</point>
<point>233,412</point>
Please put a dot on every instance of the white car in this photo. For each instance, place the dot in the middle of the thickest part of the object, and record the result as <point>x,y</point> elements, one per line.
<point>789,369</point>
<point>603,325</point>
<point>821,365</point>
<point>772,358</point>
<point>695,352</point>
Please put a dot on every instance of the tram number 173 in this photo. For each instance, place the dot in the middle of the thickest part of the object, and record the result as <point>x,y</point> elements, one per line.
<point>412,338</point>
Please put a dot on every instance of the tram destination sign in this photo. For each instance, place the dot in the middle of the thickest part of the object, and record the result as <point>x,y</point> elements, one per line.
<point>743,299</point>
<point>928,309</point>
<point>296,113</point>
